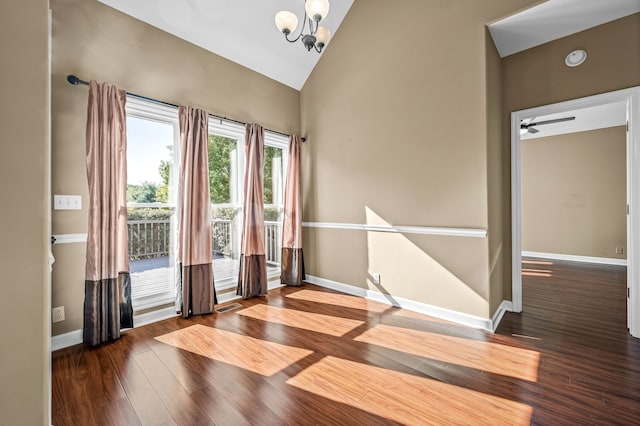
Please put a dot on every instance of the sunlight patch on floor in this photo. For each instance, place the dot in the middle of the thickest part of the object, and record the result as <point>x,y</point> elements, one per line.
<point>405,398</point>
<point>259,356</point>
<point>537,273</point>
<point>326,324</point>
<point>346,301</point>
<point>542,271</point>
<point>486,356</point>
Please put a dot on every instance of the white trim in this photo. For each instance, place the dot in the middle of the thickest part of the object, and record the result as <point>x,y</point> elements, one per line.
<point>272,285</point>
<point>426,230</point>
<point>631,97</point>
<point>505,306</point>
<point>154,316</point>
<point>228,297</point>
<point>65,340</point>
<point>152,300</point>
<point>337,286</point>
<point>131,204</point>
<point>576,258</point>
<point>276,140</point>
<point>74,337</point>
<point>231,295</point>
<point>70,238</point>
<point>473,321</point>
<point>150,110</point>
<point>228,129</point>
<point>516,216</point>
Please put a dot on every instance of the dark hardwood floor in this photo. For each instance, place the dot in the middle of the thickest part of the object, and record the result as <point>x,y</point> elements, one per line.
<point>312,356</point>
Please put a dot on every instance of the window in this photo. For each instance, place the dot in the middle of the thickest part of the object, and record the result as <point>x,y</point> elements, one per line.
<point>275,157</point>
<point>153,138</point>
<point>226,175</point>
<point>226,172</point>
<point>152,141</point>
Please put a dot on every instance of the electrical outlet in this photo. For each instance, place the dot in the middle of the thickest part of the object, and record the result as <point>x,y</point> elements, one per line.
<point>619,250</point>
<point>57,314</point>
<point>376,278</point>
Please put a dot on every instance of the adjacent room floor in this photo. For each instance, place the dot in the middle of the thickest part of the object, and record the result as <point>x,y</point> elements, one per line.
<point>312,356</point>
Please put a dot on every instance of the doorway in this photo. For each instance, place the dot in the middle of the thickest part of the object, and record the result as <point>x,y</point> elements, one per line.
<point>630,98</point>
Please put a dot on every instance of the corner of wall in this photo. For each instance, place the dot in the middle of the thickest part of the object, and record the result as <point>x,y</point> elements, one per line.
<point>496,186</point>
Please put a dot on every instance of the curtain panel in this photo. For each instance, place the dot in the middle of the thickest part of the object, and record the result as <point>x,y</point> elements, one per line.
<point>195,293</point>
<point>292,266</point>
<point>252,280</point>
<point>107,302</point>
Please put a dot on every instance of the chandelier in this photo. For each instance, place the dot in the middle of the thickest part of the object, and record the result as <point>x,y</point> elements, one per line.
<point>315,11</point>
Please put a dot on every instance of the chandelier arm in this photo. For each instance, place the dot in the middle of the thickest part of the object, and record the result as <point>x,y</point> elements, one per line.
<point>286,37</point>
<point>304,24</point>
<point>311,30</point>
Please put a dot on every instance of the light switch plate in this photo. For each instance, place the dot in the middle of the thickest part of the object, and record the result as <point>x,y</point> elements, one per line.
<point>67,202</point>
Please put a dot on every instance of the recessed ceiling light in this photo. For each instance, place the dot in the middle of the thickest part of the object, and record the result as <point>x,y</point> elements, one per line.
<point>575,58</point>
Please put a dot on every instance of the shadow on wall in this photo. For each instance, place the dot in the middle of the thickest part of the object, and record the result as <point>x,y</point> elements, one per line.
<point>407,271</point>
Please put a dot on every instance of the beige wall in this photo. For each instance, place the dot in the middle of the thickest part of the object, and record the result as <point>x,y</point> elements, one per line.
<point>574,193</point>
<point>495,176</point>
<point>24,173</point>
<point>538,77</point>
<point>94,41</point>
<point>397,129</point>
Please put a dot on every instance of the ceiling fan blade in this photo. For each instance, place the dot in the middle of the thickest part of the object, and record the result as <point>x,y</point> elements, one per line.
<point>552,121</point>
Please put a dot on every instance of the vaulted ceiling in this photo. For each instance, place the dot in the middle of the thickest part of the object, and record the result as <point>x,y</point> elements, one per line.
<point>244,31</point>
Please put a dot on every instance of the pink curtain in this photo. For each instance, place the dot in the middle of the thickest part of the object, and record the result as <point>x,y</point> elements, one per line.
<point>292,259</point>
<point>252,280</point>
<point>107,300</point>
<point>195,293</point>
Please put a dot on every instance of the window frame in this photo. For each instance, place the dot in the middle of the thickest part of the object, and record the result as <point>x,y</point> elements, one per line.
<point>237,132</point>
<point>153,111</point>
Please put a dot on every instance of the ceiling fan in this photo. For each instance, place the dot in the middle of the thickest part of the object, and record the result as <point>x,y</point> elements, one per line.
<point>528,125</point>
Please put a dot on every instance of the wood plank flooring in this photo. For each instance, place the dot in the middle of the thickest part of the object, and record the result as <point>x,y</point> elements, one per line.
<point>312,356</point>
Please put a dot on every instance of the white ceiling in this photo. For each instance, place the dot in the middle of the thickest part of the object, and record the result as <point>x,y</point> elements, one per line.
<point>598,117</point>
<point>242,31</point>
<point>555,19</point>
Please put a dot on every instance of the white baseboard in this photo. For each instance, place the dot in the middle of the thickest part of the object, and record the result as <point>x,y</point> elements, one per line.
<point>65,340</point>
<point>74,337</point>
<point>505,306</point>
<point>576,258</point>
<point>435,311</point>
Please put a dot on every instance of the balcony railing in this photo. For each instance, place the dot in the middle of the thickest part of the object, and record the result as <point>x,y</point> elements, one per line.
<point>152,272</point>
<point>150,239</point>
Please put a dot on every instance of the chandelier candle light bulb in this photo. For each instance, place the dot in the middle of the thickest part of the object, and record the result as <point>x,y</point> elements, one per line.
<point>322,36</point>
<point>317,36</point>
<point>286,22</point>
<point>317,9</point>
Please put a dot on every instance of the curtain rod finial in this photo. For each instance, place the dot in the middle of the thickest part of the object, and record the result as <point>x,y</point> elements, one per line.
<point>72,79</point>
<point>303,139</point>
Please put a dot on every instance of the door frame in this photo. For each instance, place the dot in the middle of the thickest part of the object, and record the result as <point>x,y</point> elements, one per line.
<point>631,97</point>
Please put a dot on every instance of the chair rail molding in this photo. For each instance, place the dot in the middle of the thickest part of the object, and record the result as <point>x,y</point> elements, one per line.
<point>402,229</point>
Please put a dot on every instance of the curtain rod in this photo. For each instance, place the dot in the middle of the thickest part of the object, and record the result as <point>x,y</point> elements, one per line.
<point>75,80</point>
